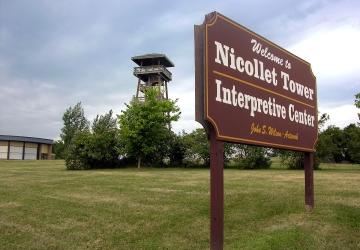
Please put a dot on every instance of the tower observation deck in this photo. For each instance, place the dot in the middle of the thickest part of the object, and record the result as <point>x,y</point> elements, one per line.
<point>152,72</point>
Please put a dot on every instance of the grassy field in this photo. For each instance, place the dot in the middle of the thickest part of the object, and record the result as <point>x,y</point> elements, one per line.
<point>43,206</point>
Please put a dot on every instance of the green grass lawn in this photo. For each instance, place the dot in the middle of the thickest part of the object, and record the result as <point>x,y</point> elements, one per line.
<point>44,206</point>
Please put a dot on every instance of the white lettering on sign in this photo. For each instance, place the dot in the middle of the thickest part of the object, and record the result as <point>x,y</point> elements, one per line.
<point>296,87</point>
<point>225,55</point>
<point>258,105</point>
<point>258,48</point>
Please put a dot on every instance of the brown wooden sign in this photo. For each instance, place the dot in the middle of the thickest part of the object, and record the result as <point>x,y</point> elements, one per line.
<point>251,90</point>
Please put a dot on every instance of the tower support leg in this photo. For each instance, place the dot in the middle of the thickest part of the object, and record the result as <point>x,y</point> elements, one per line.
<point>138,89</point>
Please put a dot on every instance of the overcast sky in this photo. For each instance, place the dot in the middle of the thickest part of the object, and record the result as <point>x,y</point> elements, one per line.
<point>54,54</point>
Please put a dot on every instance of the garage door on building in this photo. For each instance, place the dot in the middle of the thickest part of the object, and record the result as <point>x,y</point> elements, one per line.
<point>16,150</point>
<point>3,149</point>
<point>44,149</point>
<point>30,151</point>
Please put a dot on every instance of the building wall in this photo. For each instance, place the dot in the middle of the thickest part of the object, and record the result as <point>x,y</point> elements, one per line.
<point>25,150</point>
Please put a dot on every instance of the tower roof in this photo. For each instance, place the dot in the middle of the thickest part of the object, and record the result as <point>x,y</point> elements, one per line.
<point>152,59</point>
<point>25,139</point>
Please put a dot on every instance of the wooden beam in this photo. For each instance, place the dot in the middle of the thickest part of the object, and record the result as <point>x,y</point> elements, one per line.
<point>138,88</point>
<point>23,152</point>
<point>8,152</point>
<point>38,152</point>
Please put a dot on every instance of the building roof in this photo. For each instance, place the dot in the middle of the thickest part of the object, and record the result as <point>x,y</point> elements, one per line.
<point>152,59</point>
<point>25,139</point>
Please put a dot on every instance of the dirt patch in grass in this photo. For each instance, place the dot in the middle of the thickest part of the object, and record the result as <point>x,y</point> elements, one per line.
<point>161,190</point>
<point>10,205</point>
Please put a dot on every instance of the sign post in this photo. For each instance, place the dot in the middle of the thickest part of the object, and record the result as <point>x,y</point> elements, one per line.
<point>249,90</point>
<point>216,191</point>
<point>309,181</point>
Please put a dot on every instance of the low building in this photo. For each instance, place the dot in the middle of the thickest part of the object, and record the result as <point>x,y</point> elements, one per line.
<point>25,148</point>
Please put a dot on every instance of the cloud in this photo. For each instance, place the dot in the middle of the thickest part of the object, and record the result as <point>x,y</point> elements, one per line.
<point>332,51</point>
<point>56,53</point>
<point>26,105</point>
<point>341,116</point>
<point>330,45</point>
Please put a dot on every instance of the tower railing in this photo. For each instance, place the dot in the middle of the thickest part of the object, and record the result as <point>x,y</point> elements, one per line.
<point>153,69</point>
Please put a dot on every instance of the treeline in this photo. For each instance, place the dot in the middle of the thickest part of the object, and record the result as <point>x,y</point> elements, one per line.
<point>339,145</point>
<point>141,135</point>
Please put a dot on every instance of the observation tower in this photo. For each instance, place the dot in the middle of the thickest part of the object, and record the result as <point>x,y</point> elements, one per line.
<point>152,72</point>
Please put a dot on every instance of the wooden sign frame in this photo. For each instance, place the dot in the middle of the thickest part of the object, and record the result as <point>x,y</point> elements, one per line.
<point>218,132</point>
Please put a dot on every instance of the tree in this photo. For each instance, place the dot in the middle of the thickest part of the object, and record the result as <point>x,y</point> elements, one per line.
<point>197,147</point>
<point>144,131</point>
<point>105,143</point>
<point>357,103</point>
<point>74,122</point>
<point>321,147</point>
<point>357,100</point>
<point>104,123</point>
<point>352,143</point>
<point>177,149</point>
<point>324,117</point>
<point>58,149</point>
<point>331,144</point>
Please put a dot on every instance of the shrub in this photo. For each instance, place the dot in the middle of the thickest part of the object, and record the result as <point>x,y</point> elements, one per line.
<point>251,157</point>
<point>77,156</point>
<point>295,160</point>
<point>96,149</point>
